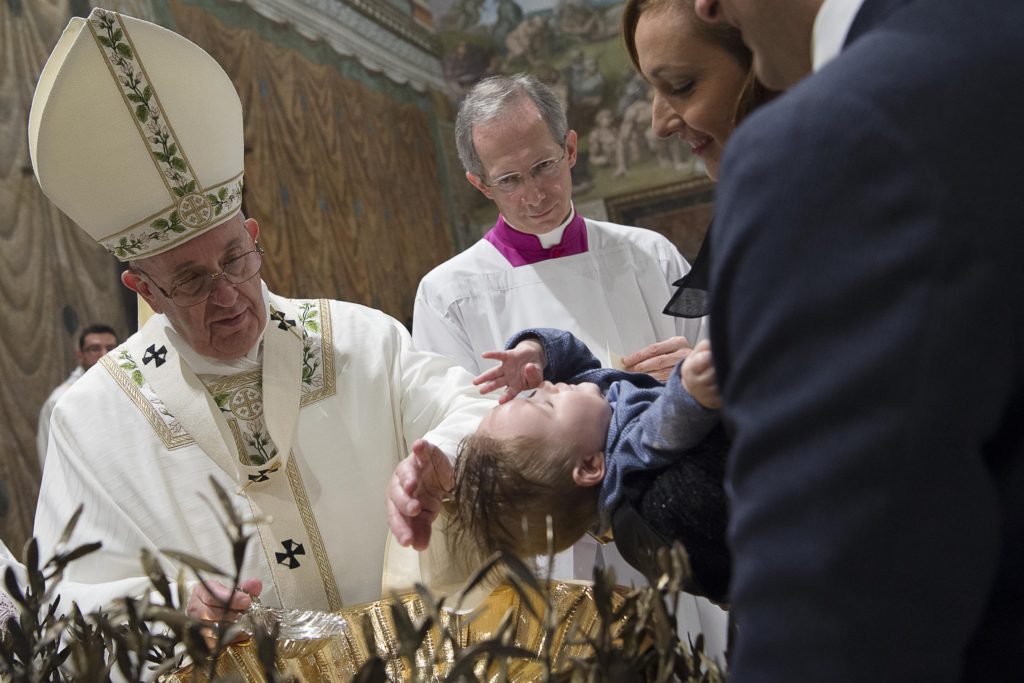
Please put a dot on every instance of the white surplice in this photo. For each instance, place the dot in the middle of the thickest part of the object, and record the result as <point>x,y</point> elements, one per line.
<point>610,296</point>
<point>304,435</point>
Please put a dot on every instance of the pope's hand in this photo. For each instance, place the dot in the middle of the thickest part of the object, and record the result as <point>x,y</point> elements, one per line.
<point>415,491</point>
<point>221,604</point>
<point>658,359</point>
<point>520,368</point>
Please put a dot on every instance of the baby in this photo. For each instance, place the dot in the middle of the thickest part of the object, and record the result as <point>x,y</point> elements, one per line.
<point>565,450</point>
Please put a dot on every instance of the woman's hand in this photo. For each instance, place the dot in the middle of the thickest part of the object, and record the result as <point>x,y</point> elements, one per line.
<point>658,359</point>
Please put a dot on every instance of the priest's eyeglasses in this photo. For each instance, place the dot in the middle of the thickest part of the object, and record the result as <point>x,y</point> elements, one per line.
<point>198,288</point>
<point>513,183</point>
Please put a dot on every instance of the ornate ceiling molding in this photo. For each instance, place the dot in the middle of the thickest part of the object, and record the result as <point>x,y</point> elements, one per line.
<point>398,22</point>
<point>377,35</point>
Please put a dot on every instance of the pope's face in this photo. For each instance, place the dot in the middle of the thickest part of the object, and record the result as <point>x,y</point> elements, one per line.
<point>230,322</point>
<point>516,143</point>
<point>778,32</point>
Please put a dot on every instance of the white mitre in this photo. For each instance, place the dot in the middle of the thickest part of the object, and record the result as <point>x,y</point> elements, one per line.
<point>136,134</point>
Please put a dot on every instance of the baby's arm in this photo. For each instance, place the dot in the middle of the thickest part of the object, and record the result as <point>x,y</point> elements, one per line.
<point>656,433</point>
<point>554,355</point>
<point>566,355</point>
<point>698,376</point>
<point>520,368</point>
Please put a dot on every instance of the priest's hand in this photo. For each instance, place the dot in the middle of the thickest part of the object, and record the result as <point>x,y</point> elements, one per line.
<point>217,604</point>
<point>521,368</point>
<point>415,492</point>
<point>658,359</point>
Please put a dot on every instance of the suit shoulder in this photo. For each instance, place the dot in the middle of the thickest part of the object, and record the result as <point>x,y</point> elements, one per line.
<point>893,83</point>
<point>817,125</point>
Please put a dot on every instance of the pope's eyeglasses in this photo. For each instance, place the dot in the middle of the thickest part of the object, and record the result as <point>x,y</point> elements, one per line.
<point>513,183</point>
<point>197,289</point>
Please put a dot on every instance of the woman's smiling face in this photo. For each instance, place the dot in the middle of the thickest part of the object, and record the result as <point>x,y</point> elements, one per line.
<point>697,82</point>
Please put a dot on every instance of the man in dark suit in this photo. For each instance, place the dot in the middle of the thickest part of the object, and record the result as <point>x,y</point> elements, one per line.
<point>868,308</point>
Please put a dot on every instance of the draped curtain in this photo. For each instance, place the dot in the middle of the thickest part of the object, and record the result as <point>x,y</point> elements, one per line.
<point>53,278</point>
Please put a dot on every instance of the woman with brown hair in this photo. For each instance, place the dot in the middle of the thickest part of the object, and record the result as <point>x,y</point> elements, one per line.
<point>704,85</point>
<point>702,74</point>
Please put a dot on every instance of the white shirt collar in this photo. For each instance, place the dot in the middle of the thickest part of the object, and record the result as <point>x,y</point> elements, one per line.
<point>830,28</point>
<point>552,237</point>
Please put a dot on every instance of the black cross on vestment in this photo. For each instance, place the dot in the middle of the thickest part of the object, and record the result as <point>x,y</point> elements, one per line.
<point>155,354</point>
<point>291,549</point>
<point>261,475</point>
<point>282,323</point>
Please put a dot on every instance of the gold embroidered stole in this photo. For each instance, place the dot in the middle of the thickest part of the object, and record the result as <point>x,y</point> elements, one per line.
<point>246,423</point>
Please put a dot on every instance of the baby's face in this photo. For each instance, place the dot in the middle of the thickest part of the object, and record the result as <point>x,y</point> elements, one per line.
<point>567,416</point>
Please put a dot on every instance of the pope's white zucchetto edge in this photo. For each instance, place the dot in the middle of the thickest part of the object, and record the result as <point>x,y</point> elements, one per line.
<point>136,134</point>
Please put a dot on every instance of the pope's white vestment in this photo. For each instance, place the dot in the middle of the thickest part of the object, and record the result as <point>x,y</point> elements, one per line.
<point>303,434</point>
<point>611,297</point>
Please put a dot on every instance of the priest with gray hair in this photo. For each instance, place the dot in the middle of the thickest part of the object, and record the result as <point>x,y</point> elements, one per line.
<point>543,264</point>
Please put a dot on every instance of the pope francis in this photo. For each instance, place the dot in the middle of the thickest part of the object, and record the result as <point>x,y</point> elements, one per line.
<point>300,409</point>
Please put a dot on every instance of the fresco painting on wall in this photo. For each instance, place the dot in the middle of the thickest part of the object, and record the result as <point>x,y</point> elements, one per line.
<point>574,46</point>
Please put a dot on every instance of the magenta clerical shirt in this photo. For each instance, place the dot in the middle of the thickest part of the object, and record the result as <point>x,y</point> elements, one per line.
<point>521,249</point>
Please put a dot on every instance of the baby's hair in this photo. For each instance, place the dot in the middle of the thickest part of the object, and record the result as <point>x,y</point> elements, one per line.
<point>505,489</point>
